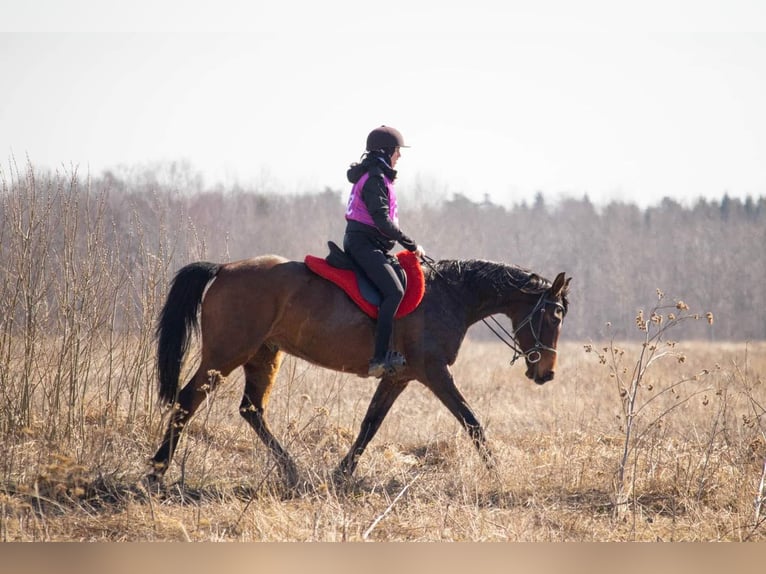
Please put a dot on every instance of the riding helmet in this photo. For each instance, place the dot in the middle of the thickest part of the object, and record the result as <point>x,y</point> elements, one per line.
<point>384,137</point>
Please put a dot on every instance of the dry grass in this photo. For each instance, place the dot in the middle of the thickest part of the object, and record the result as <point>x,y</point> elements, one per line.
<point>695,474</point>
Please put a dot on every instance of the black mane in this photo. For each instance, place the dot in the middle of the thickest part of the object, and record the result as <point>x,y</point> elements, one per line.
<point>496,276</point>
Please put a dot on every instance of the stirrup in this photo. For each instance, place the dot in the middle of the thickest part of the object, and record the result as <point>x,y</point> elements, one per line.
<point>392,365</point>
<point>395,362</point>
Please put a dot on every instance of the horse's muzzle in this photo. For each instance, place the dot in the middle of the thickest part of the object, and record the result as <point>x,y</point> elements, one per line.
<point>539,378</point>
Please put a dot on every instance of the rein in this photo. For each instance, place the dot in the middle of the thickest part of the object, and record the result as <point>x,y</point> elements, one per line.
<point>510,338</point>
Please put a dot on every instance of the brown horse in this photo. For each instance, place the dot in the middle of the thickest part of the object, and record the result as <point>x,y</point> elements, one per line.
<point>254,311</point>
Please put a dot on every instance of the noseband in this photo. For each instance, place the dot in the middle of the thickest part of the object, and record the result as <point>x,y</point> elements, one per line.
<point>534,354</point>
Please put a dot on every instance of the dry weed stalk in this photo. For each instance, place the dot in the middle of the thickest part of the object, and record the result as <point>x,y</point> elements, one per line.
<point>381,516</point>
<point>631,385</point>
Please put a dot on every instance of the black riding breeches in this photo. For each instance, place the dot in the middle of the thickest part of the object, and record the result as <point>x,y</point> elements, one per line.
<point>379,271</point>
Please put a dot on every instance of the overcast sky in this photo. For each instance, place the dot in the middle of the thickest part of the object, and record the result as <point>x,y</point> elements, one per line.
<point>633,101</point>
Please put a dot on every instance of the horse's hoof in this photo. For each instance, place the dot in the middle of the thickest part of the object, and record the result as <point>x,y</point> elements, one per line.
<point>297,489</point>
<point>341,480</point>
<point>151,483</point>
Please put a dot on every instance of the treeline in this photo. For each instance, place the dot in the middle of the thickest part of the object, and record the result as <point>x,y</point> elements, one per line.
<point>91,253</point>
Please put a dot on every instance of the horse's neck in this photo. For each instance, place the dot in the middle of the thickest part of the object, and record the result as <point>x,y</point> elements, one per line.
<point>488,306</point>
<point>481,295</point>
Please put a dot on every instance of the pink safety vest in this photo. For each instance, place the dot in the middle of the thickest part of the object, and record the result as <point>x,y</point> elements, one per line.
<point>357,210</point>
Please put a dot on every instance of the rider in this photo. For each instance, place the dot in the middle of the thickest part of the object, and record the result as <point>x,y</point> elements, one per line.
<point>372,230</point>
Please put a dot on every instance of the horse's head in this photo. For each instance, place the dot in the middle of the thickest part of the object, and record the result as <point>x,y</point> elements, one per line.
<point>537,327</point>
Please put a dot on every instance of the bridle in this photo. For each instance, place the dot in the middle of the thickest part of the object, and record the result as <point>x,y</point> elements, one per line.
<point>534,354</point>
<point>510,338</point>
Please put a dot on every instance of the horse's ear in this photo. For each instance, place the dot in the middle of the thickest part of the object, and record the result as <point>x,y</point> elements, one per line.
<point>560,285</point>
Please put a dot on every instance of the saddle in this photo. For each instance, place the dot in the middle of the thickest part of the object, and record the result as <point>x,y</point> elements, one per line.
<point>339,268</point>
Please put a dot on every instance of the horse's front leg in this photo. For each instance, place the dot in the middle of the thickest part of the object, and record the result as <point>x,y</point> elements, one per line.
<point>385,395</point>
<point>442,384</point>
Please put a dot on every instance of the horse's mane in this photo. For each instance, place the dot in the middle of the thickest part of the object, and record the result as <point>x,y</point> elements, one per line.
<point>496,276</point>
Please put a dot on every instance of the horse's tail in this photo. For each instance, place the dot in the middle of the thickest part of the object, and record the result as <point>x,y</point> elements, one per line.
<point>178,319</point>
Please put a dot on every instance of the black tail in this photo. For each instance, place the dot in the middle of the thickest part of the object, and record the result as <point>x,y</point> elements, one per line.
<point>177,319</point>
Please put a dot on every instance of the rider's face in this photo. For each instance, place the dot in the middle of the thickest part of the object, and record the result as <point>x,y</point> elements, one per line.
<point>395,157</point>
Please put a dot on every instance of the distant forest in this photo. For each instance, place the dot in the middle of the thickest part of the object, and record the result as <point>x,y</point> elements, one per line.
<point>132,231</point>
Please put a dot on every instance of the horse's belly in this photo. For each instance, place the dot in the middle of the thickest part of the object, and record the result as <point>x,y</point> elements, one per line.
<point>332,333</point>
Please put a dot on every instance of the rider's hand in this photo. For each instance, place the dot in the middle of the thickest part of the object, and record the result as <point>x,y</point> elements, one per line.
<point>420,252</point>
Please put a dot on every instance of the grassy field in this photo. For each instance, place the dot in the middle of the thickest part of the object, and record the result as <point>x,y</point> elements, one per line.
<point>692,470</point>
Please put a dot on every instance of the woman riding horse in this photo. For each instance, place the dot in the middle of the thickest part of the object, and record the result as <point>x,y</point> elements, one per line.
<point>372,230</point>
<point>250,313</point>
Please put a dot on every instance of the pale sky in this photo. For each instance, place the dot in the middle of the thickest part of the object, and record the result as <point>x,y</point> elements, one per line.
<point>620,100</point>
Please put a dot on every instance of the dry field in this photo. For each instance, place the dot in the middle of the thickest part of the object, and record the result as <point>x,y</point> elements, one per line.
<point>693,470</point>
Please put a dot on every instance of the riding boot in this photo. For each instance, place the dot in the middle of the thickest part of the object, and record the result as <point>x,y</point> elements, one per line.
<point>377,368</point>
<point>385,361</point>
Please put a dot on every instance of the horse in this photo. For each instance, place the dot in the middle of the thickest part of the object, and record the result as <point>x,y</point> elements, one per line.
<point>250,313</point>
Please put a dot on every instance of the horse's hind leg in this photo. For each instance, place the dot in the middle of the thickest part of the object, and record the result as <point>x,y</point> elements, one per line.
<point>189,399</point>
<point>385,395</point>
<point>260,373</point>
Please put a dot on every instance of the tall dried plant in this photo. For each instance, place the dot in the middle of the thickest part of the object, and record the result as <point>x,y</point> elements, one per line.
<point>78,296</point>
<point>636,393</point>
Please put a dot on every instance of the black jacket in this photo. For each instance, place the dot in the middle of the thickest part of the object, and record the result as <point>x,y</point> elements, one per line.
<point>375,198</point>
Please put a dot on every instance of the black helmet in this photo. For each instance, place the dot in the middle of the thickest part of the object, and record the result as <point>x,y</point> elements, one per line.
<point>384,137</point>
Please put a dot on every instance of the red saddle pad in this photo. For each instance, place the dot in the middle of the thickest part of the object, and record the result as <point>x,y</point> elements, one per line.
<point>346,280</point>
